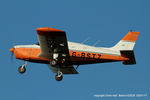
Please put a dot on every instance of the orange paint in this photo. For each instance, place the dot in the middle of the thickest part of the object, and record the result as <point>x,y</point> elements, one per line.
<point>28,54</point>
<point>131,36</point>
<point>86,56</point>
<point>46,31</point>
<point>12,49</point>
<point>32,54</point>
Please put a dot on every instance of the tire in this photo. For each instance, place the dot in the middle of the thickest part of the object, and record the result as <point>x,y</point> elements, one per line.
<point>58,78</point>
<point>21,69</point>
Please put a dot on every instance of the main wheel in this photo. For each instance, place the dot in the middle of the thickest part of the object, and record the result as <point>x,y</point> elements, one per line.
<point>21,69</point>
<point>58,77</point>
<point>53,62</point>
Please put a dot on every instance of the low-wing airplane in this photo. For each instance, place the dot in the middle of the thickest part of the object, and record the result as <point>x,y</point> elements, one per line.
<point>60,55</point>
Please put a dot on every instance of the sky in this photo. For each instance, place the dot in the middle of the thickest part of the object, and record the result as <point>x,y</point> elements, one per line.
<point>106,21</point>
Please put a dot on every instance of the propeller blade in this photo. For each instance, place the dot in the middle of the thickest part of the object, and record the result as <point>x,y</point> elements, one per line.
<point>12,53</point>
<point>12,57</point>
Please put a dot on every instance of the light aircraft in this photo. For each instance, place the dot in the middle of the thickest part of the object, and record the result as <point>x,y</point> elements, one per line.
<point>60,55</point>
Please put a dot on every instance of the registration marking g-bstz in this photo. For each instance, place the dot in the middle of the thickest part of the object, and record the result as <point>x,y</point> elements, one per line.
<point>86,55</point>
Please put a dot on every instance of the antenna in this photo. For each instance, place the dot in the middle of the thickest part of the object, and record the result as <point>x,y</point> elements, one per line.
<point>85,40</point>
<point>131,30</point>
<point>96,42</point>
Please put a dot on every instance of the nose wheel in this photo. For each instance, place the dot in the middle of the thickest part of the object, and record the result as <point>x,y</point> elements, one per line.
<point>22,68</point>
<point>59,76</point>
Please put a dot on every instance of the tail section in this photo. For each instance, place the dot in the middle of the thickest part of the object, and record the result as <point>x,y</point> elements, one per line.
<point>127,42</point>
<point>128,54</point>
<point>126,45</point>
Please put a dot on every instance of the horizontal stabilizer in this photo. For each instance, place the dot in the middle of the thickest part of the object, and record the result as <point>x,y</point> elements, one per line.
<point>128,54</point>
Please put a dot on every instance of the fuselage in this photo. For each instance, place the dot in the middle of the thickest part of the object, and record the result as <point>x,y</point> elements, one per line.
<point>78,54</point>
<point>60,55</point>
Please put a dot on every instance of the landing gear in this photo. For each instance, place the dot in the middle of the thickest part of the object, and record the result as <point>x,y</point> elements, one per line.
<point>59,76</point>
<point>22,68</point>
<point>53,62</point>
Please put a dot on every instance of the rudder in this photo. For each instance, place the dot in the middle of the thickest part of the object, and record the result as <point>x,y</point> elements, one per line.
<point>127,42</point>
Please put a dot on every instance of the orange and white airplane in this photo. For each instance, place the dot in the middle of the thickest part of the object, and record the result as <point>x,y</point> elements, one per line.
<point>60,55</point>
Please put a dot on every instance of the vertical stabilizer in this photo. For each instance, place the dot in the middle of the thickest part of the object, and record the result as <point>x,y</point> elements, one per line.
<point>126,45</point>
<point>127,42</point>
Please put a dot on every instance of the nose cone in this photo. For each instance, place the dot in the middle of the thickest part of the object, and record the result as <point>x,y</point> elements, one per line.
<point>12,49</point>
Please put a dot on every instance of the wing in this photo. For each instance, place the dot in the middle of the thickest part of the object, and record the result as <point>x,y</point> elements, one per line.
<point>52,41</point>
<point>65,69</point>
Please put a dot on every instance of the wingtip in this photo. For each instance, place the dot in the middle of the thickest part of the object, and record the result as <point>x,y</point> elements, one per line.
<point>48,29</point>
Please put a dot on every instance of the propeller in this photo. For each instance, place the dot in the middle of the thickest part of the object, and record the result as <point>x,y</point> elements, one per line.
<point>12,53</point>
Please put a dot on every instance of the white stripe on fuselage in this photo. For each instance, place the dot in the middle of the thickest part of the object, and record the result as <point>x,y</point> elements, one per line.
<point>86,48</point>
<point>27,46</point>
<point>79,47</point>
